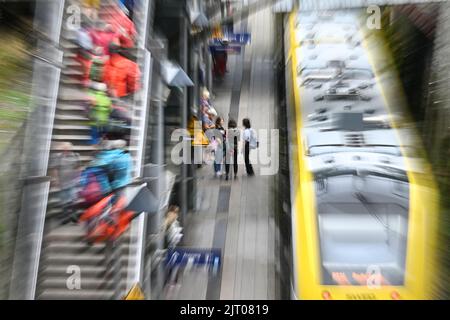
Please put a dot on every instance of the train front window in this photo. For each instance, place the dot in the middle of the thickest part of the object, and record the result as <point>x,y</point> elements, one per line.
<point>362,243</point>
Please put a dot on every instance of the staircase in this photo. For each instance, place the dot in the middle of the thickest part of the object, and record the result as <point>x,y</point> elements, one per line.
<point>67,258</point>
<point>70,268</point>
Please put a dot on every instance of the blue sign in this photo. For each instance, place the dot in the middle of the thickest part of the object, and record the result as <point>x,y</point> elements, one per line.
<point>241,38</point>
<point>183,256</point>
<point>234,39</point>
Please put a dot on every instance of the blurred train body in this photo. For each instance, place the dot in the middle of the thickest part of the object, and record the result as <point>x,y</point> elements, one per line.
<point>363,202</point>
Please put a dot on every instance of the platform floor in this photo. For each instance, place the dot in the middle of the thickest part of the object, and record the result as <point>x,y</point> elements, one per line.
<point>237,215</point>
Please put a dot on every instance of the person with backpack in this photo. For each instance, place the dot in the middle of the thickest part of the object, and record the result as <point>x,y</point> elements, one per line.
<point>251,142</point>
<point>110,173</point>
<point>233,138</point>
<point>100,111</point>
<point>92,67</point>
<point>84,39</point>
<point>121,74</point>
<point>65,171</point>
<point>85,52</point>
<point>121,24</point>
<point>117,163</point>
<point>96,69</point>
<point>94,185</point>
<point>103,35</point>
<point>120,118</point>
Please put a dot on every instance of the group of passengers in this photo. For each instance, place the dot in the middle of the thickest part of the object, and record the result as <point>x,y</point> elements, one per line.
<point>111,78</point>
<point>108,70</point>
<point>223,144</point>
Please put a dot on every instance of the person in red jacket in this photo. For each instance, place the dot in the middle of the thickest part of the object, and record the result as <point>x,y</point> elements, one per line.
<point>121,74</point>
<point>121,24</point>
<point>103,36</point>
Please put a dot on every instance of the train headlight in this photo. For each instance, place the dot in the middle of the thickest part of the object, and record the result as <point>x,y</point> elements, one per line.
<point>326,295</point>
<point>395,295</point>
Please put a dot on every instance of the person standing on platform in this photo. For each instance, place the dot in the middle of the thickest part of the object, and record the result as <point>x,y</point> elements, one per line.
<point>220,136</point>
<point>250,141</point>
<point>233,138</point>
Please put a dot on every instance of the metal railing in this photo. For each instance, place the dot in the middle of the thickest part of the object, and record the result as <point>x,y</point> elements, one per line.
<point>138,141</point>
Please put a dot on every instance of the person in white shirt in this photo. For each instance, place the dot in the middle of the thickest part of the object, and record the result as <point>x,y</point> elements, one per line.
<point>220,138</point>
<point>247,136</point>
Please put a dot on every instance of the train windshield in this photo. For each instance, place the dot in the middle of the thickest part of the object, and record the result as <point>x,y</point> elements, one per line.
<point>362,243</point>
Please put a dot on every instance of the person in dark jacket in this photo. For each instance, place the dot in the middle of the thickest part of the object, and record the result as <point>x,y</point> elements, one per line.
<point>232,141</point>
<point>247,137</point>
<point>220,136</point>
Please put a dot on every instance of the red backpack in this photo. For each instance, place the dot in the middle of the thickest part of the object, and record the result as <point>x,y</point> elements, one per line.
<point>94,185</point>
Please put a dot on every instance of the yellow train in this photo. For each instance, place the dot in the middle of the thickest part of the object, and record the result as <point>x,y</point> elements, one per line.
<point>364,204</point>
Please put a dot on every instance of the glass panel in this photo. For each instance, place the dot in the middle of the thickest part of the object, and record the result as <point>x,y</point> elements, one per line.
<point>362,242</point>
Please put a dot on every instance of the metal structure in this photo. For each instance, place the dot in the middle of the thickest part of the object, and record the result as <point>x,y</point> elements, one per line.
<point>46,76</point>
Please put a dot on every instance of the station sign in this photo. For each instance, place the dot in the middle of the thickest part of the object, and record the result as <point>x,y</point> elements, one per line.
<point>181,257</point>
<point>234,39</point>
